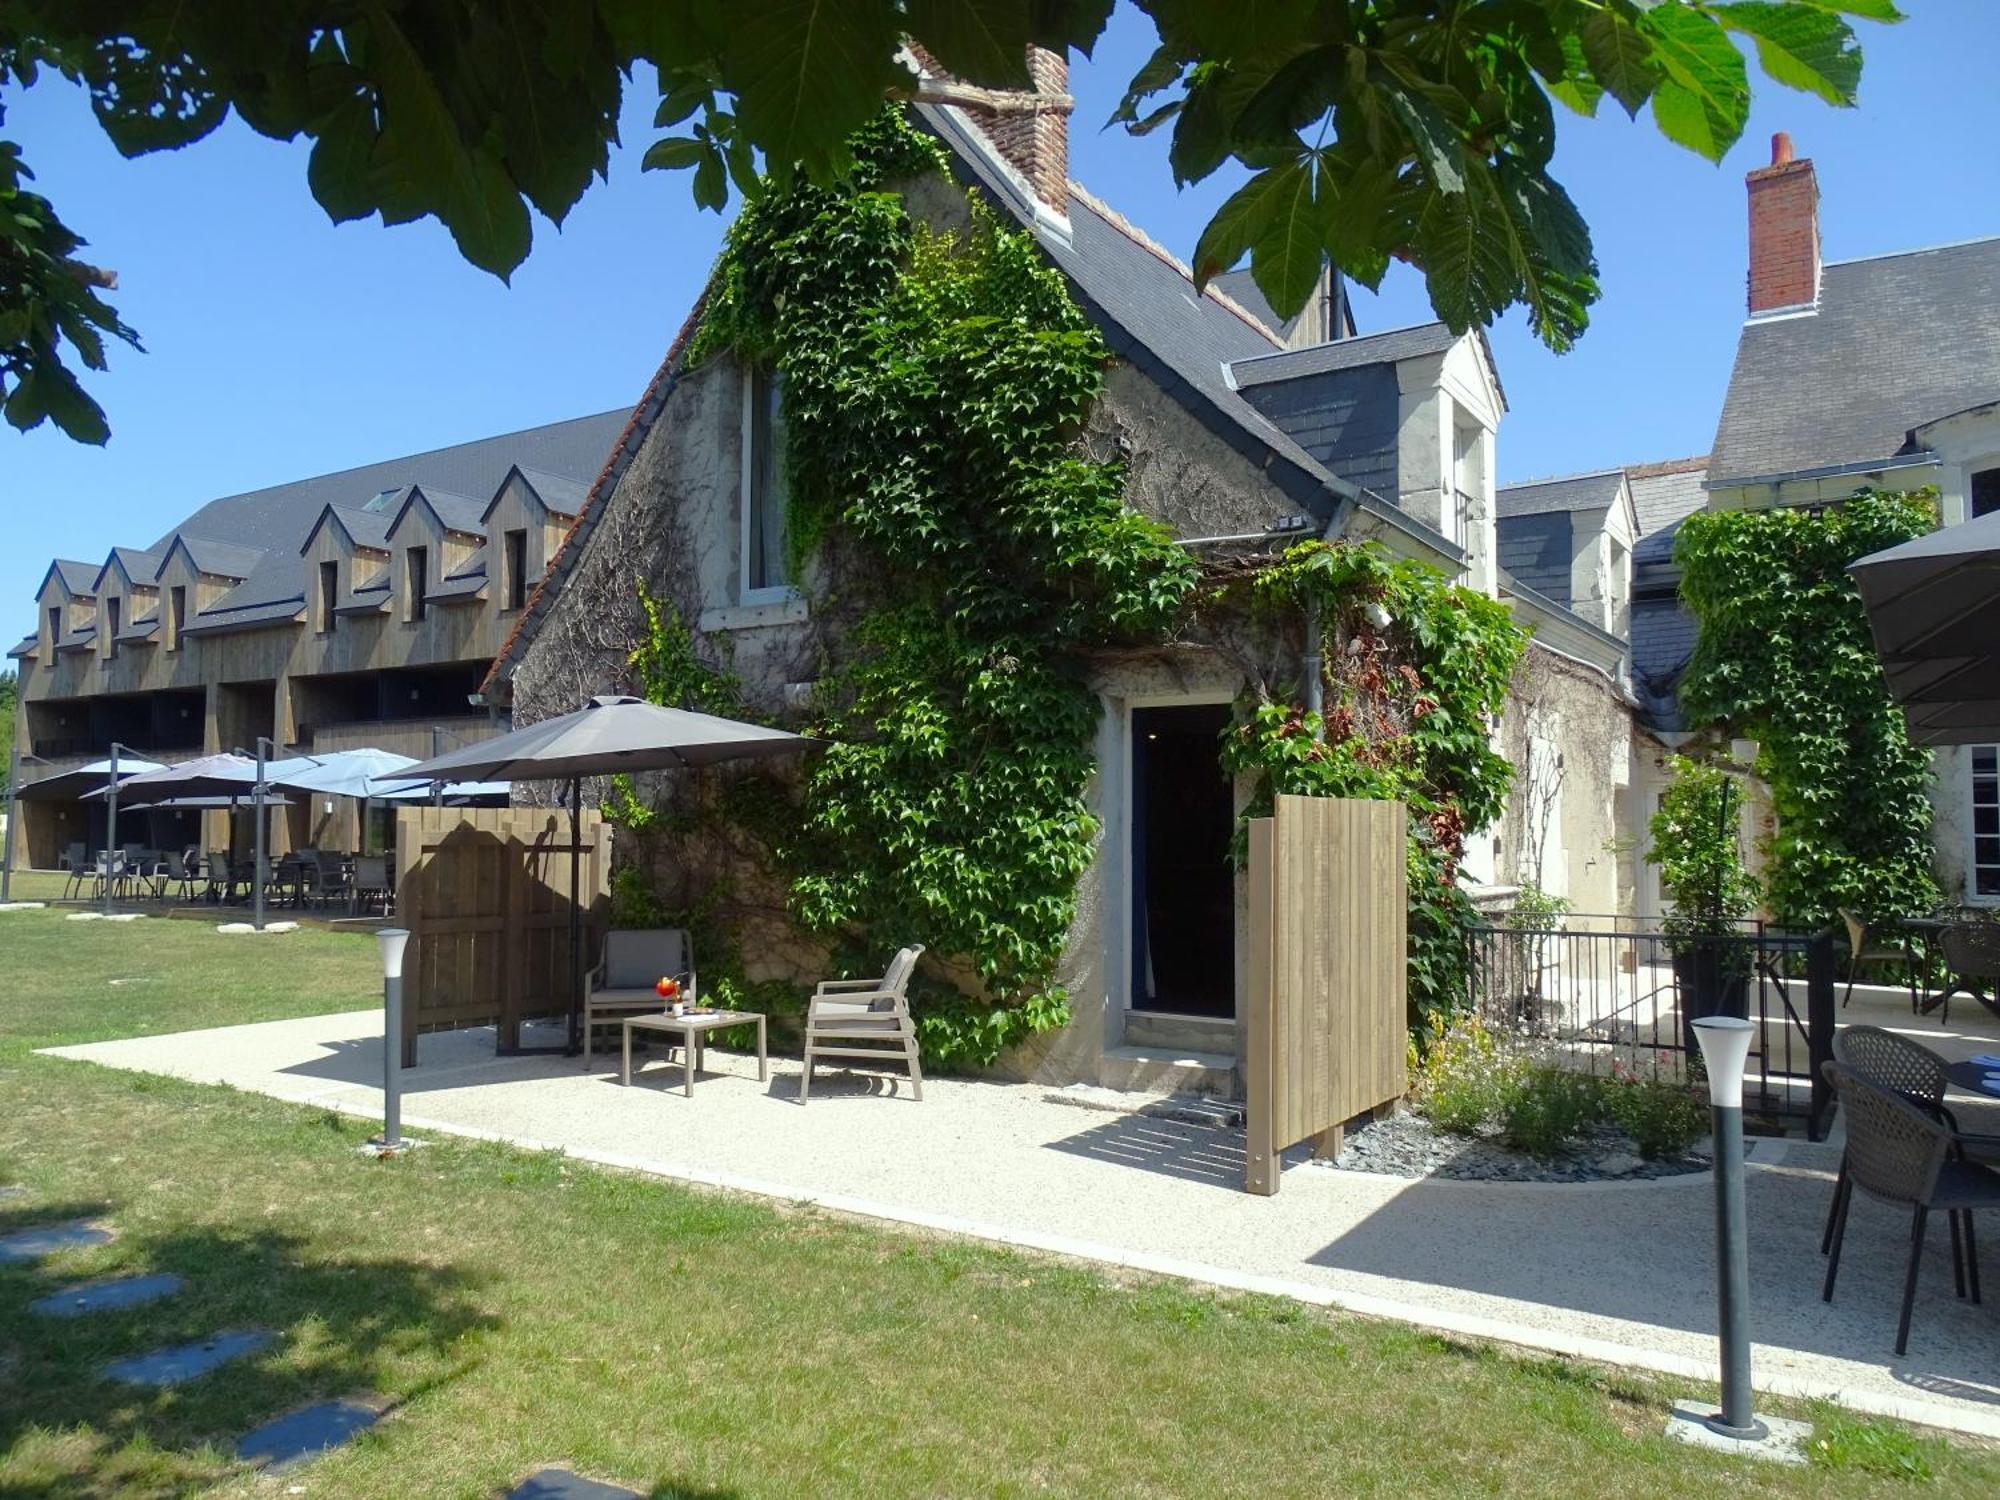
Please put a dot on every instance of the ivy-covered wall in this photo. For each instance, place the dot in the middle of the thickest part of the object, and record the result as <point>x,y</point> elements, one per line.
<point>985,508</point>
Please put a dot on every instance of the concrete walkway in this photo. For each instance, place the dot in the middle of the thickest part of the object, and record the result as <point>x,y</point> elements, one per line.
<point>1615,1272</point>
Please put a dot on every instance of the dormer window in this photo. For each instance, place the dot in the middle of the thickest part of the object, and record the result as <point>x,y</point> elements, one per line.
<point>111,611</point>
<point>1985,496</point>
<point>55,624</point>
<point>177,613</point>
<point>514,565</point>
<point>763,575</point>
<point>417,577</point>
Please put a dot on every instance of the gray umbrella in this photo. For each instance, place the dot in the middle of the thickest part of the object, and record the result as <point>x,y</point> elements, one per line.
<point>606,737</point>
<point>1934,607</point>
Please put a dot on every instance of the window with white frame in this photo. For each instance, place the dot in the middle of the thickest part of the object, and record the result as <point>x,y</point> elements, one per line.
<point>1984,881</point>
<point>763,575</point>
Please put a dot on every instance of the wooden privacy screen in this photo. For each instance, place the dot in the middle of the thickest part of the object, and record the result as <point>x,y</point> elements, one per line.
<point>1329,916</point>
<point>485,895</point>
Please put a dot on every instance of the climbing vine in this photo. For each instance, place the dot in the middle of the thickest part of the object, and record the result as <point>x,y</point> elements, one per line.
<point>936,385</point>
<point>1414,670</point>
<point>1785,658</point>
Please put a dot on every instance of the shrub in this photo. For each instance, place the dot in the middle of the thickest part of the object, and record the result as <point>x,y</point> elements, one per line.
<point>1458,1077</point>
<point>1542,1106</point>
<point>1663,1118</point>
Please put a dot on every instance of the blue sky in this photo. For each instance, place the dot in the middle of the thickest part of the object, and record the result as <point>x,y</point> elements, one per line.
<point>280,346</point>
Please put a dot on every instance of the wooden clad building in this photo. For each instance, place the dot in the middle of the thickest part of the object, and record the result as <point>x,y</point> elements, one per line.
<point>362,608</point>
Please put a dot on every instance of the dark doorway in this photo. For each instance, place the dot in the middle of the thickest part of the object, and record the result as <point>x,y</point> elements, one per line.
<point>1183,886</point>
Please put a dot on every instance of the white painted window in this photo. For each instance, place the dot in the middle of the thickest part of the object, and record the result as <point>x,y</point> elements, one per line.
<point>1984,883</point>
<point>763,576</point>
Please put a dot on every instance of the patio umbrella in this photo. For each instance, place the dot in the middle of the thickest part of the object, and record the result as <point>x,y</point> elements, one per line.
<point>84,781</point>
<point>1934,608</point>
<point>606,737</point>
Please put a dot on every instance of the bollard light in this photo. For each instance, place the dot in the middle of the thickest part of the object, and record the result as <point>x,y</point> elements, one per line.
<point>1725,1050</point>
<point>392,941</point>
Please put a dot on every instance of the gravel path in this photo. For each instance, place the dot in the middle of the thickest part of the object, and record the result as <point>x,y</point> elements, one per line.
<point>1408,1145</point>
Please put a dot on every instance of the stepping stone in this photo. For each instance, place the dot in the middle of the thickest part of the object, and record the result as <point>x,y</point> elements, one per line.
<point>46,1239</point>
<point>561,1484</point>
<point>303,1435</point>
<point>187,1361</point>
<point>106,1296</point>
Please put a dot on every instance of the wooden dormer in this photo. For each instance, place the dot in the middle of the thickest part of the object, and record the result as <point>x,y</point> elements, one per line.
<point>525,522</point>
<point>346,558</point>
<point>203,572</point>
<point>128,598</point>
<point>66,608</point>
<point>434,535</point>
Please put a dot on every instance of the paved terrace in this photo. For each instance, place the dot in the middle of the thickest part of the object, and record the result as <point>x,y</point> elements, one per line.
<point>1616,1272</point>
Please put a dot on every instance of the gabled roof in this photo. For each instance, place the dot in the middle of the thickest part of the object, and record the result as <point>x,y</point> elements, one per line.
<point>140,567</point>
<point>452,511</point>
<point>1570,492</point>
<point>362,528</point>
<point>1386,347</point>
<point>1896,341</point>
<point>274,592</point>
<point>217,559</point>
<point>1664,495</point>
<point>559,494</point>
<point>78,578</point>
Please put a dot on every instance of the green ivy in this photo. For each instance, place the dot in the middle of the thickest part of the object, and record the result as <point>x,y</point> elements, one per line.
<point>935,389</point>
<point>1414,671</point>
<point>1785,658</point>
<point>1695,842</point>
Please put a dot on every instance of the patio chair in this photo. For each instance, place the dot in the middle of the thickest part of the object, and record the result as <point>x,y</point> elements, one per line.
<point>872,1011</point>
<point>1972,959</point>
<point>1898,1154</point>
<point>634,961</point>
<point>221,879</point>
<point>327,875</point>
<point>187,870</point>
<point>1866,945</point>
<point>370,883</point>
<point>1912,1072</point>
<point>77,862</point>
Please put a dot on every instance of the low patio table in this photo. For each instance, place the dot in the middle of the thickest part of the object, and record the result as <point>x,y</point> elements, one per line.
<point>693,1032</point>
<point>1971,1076</point>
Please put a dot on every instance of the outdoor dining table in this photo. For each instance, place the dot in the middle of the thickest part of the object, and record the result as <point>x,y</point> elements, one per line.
<point>693,1031</point>
<point>1976,1077</point>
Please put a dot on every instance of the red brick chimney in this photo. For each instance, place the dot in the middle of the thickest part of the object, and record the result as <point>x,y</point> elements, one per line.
<point>1031,130</point>
<point>1784,231</point>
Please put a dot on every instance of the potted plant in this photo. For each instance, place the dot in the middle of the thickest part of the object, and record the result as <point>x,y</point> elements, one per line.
<point>1696,846</point>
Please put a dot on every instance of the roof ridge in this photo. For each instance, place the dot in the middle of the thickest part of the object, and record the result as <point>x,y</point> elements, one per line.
<point>1666,466</point>
<point>1856,260</point>
<point>1139,237</point>
<point>1529,484</point>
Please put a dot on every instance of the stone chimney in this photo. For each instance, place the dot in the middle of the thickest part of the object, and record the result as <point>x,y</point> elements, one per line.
<point>1031,130</point>
<point>1784,232</point>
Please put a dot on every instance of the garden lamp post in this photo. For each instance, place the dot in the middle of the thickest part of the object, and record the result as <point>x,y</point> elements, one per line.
<point>111,828</point>
<point>1725,1048</point>
<point>392,941</point>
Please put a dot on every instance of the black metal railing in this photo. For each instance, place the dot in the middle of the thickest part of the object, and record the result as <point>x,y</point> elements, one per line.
<point>1610,995</point>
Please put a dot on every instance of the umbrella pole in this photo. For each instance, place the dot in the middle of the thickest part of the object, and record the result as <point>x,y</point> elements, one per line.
<point>575,913</point>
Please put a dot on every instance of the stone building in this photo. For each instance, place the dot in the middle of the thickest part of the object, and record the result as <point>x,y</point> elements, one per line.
<point>361,608</point>
<point>1232,428</point>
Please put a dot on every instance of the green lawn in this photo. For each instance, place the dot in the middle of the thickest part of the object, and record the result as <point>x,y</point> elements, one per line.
<point>524,1310</point>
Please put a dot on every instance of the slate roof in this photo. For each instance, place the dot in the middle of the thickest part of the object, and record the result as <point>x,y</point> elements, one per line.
<point>77,577</point>
<point>1897,340</point>
<point>561,493</point>
<point>1386,347</point>
<point>455,512</point>
<point>223,559</point>
<point>1663,495</point>
<point>1663,637</point>
<point>1572,492</point>
<point>26,648</point>
<point>364,528</point>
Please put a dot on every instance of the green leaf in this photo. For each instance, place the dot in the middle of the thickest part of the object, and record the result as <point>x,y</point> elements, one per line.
<point>1807,49</point>
<point>341,168</point>
<point>1201,136</point>
<point>1620,57</point>
<point>672,154</point>
<point>1868,10</point>
<point>1420,106</point>
<point>711,180</point>
<point>1277,219</point>
<point>49,392</point>
<point>1703,100</point>
<point>1162,70</point>
<point>807,74</point>
<point>682,101</point>
<point>985,41</point>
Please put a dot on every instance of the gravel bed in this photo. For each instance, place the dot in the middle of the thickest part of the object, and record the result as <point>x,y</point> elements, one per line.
<point>1407,1145</point>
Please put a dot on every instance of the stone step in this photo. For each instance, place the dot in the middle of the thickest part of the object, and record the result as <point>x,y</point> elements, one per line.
<point>1161,1070</point>
<point>185,1362</point>
<point>1158,1028</point>
<point>302,1435</point>
<point>113,1295</point>
<point>561,1484</point>
<point>46,1239</point>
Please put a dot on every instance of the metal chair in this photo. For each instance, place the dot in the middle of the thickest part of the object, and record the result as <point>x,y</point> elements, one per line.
<point>1898,1154</point>
<point>1864,947</point>
<point>875,1011</point>
<point>77,862</point>
<point>370,883</point>
<point>221,879</point>
<point>634,961</point>
<point>187,871</point>
<point>1912,1072</point>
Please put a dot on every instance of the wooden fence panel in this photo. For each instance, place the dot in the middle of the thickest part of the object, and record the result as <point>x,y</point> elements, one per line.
<point>1328,973</point>
<point>484,893</point>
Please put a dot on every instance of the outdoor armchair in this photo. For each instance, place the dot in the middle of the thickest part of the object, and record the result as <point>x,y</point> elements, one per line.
<point>874,1012</point>
<point>370,883</point>
<point>1912,1072</point>
<point>1972,958</point>
<point>1876,943</point>
<point>635,960</point>
<point>77,862</point>
<point>1899,1154</point>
